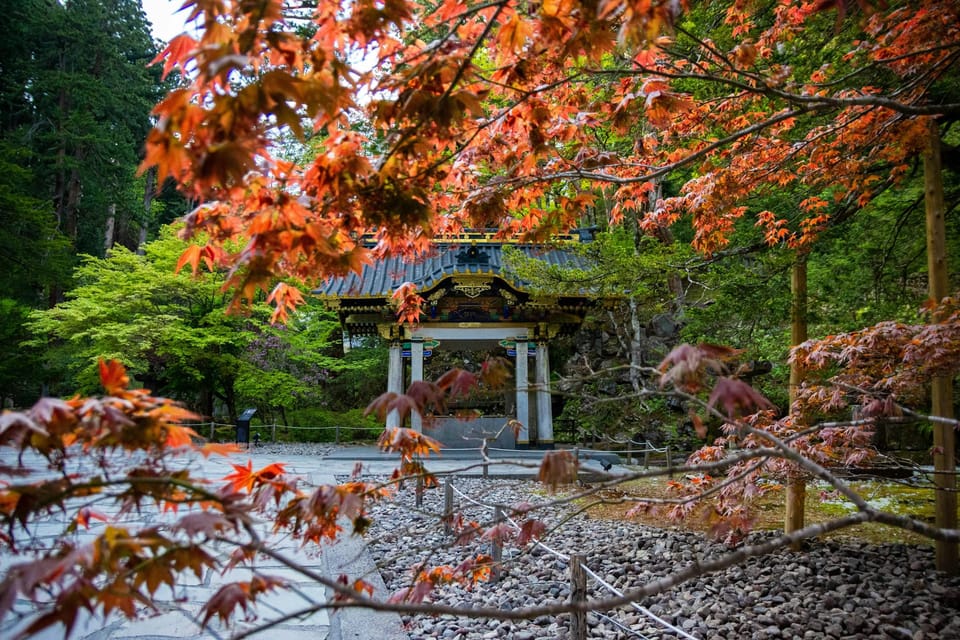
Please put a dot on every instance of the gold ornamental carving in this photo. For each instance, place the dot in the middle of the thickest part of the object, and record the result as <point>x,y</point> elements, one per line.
<point>472,287</point>
<point>543,301</point>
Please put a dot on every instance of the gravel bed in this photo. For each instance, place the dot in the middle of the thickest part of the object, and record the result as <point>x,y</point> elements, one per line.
<point>831,591</point>
<point>316,449</point>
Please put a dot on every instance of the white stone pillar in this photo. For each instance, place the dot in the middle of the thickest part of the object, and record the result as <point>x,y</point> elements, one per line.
<point>523,395</point>
<point>394,381</point>
<point>544,409</point>
<point>416,374</point>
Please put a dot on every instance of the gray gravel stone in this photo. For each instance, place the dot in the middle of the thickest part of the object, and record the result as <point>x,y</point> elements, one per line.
<point>829,591</point>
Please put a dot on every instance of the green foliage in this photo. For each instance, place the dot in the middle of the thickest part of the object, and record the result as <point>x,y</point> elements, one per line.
<point>874,267</point>
<point>866,267</point>
<point>75,99</point>
<point>20,368</point>
<point>301,364</point>
<point>359,377</point>
<point>318,424</point>
<point>170,329</point>
<point>744,301</point>
<point>173,333</point>
<point>76,90</point>
<point>34,255</point>
<point>616,264</point>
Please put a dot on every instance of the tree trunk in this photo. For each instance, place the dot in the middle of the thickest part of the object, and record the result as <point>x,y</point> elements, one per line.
<point>110,227</point>
<point>796,484</point>
<point>636,345</point>
<point>149,181</point>
<point>944,453</point>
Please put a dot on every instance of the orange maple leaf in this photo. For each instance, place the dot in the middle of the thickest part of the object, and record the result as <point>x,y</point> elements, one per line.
<point>409,304</point>
<point>178,436</point>
<point>285,298</point>
<point>190,256</point>
<point>113,377</point>
<point>242,477</point>
<point>218,448</point>
<point>176,53</point>
<point>86,514</point>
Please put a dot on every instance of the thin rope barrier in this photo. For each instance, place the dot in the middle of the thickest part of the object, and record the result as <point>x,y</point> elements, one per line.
<point>641,609</point>
<point>619,625</point>
<point>603,583</point>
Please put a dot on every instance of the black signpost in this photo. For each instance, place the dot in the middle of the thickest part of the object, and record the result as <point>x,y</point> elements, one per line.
<point>243,426</point>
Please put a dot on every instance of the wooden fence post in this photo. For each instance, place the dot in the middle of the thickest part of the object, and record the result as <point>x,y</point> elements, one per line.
<point>447,506</point>
<point>273,433</point>
<point>419,496</point>
<point>497,551</point>
<point>213,427</point>
<point>578,593</point>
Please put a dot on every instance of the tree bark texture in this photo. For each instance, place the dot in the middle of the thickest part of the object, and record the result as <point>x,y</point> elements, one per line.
<point>944,438</point>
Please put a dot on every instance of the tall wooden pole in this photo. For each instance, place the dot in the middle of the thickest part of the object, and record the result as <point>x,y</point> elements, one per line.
<point>944,447</point>
<point>796,485</point>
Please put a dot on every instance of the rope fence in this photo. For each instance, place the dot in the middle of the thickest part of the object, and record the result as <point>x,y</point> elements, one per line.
<point>209,429</point>
<point>579,571</point>
<point>340,434</point>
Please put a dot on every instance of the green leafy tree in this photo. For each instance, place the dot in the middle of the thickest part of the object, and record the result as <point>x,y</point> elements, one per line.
<point>301,365</point>
<point>173,333</point>
<point>169,328</point>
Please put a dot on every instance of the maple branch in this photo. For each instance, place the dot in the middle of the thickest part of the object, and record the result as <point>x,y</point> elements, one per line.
<point>955,423</point>
<point>811,102</point>
<point>693,570</point>
<point>875,64</point>
<point>869,101</point>
<point>700,262</point>
<point>462,146</point>
<point>476,49</point>
<point>85,487</point>
<point>772,90</point>
<point>499,4</point>
<point>706,46</point>
<point>696,497</point>
<point>930,75</point>
<point>666,169</point>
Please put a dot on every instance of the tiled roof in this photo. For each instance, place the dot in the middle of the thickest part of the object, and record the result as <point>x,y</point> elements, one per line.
<point>383,277</point>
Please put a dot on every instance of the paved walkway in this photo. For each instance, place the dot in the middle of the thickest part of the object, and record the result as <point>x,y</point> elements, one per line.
<point>179,615</point>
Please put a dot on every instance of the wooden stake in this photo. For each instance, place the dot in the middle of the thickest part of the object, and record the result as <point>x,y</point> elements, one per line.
<point>447,506</point>
<point>497,552</point>
<point>578,593</point>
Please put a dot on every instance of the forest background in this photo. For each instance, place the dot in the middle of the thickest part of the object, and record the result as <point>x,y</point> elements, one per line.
<point>89,259</point>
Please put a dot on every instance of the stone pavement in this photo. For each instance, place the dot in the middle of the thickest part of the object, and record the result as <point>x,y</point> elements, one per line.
<point>178,610</point>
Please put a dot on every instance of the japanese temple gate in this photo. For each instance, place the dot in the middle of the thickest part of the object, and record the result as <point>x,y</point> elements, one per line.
<point>470,305</point>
